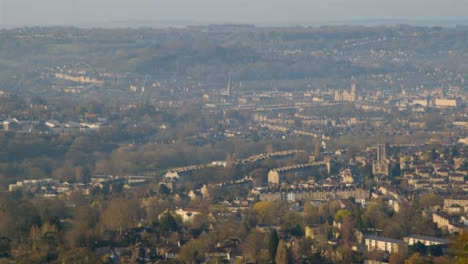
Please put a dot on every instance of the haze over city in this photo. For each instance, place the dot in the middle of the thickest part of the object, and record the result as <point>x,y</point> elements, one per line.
<point>91,12</point>
<point>233,131</point>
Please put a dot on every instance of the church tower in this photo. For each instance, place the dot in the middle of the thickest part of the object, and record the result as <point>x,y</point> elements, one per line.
<point>381,165</point>
<point>353,86</point>
<point>353,90</point>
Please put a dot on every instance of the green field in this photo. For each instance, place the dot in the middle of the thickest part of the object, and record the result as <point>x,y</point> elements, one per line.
<point>64,48</point>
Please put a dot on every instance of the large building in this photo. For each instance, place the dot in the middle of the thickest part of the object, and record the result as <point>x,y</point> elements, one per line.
<point>11,124</point>
<point>374,243</point>
<point>444,103</point>
<point>347,96</point>
<point>301,171</point>
<point>381,165</point>
<point>319,193</point>
<point>425,240</point>
<point>462,203</point>
<point>445,221</point>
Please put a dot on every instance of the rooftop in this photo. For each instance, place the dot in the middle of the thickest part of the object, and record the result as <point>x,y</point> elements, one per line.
<point>428,238</point>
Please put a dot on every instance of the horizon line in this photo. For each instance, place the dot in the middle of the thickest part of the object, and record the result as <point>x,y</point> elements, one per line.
<point>167,23</point>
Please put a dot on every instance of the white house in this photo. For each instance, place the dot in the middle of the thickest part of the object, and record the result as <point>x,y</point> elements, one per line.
<point>187,215</point>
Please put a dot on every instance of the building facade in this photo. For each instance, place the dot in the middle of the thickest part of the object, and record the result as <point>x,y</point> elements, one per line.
<point>391,246</point>
<point>381,166</point>
<point>277,176</point>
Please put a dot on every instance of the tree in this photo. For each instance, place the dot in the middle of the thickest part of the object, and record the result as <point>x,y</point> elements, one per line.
<point>420,248</point>
<point>82,174</point>
<point>460,247</point>
<point>366,172</point>
<point>135,253</point>
<point>51,210</point>
<point>417,259</point>
<point>265,211</point>
<point>164,190</point>
<point>282,256</point>
<point>194,251</point>
<point>121,214</point>
<point>294,230</point>
<point>5,224</point>
<point>430,200</point>
<point>168,223</point>
<point>398,258</point>
<point>341,215</point>
<point>454,152</point>
<point>82,232</point>
<point>352,152</point>
<point>5,247</point>
<point>444,260</point>
<point>44,241</point>
<point>347,254</point>
<point>317,148</point>
<point>396,170</point>
<point>273,244</point>
<point>347,230</point>
<point>79,255</point>
<point>26,216</point>
<point>269,148</point>
<point>433,154</point>
<point>253,245</point>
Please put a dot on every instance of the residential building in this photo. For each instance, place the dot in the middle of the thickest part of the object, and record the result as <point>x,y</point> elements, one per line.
<point>276,176</point>
<point>425,240</point>
<point>383,244</point>
<point>445,221</point>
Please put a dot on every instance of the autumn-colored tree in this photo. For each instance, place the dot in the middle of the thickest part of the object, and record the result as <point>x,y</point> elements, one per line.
<point>417,259</point>
<point>121,214</point>
<point>253,244</point>
<point>264,211</point>
<point>282,254</point>
<point>447,259</point>
<point>83,230</point>
<point>5,224</point>
<point>194,251</point>
<point>317,148</point>
<point>429,200</point>
<point>44,241</point>
<point>341,215</point>
<point>347,230</point>
<point>397,258</point>
<point>153,207</point>
<point>79,255</point>
<point>168,223</point>
<point>460,247</point>
<point>82,174</point>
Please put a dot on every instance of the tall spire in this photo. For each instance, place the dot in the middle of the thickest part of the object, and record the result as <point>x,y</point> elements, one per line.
<point>381,151</point>
<point>384,153</point>
<point>353,85</point>
<point>378,152</point>
<point>228,89</point>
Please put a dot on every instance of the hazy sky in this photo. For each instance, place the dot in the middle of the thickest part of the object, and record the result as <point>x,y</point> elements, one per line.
<point>21,12</point>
